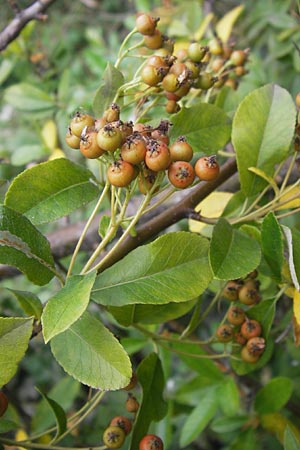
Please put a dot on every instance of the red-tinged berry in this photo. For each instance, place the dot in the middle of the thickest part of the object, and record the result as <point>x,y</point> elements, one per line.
<point>251,328</point>
<point>181,150</point>
<point>181,174</point>
<point>122,422</point>
<point>157,156</point>
<point>154,41</point>
<point>224,333</point>
<point>146,24</point>
<point>207,168</point>
<point>132,405</point>
<point>134,149</point>
<point>248,357</point>
<point>120,173</point>
<point>256,345</point>
<point>72,140</point>
<point>151,442</point>
<point>236,315</point>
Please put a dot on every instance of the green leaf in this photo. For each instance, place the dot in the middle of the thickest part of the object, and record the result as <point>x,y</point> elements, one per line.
<point>7,425</point>
<point>291,440</point>
<point>148,314</point>
<point>199,417</point>
<point>174,268</point>
<point>229,424</point>
<point>233,254</point>
<point>51,190</point>
<point>25,97</point>
<point>153,407</point>
<point>273,396</point>
<point>263,129</point>
<point>64,391</point>
<point>272,245</point>
<point>64,308</point>
<point>59,414</point>
<point>246,440</point>
<point>15,333</point>
<point>229,397</point>
<point>23,246</point>
<point>264,313</point>
<point>30,303</point>
<point>92,355</point>
<point>111,81</point>
<point>206,127</point>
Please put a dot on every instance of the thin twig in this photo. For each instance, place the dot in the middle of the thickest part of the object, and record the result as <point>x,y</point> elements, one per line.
<point>21,19</point>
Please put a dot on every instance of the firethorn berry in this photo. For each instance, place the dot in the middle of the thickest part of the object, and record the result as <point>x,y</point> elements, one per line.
<point>232,83</point>
<point>146,180</point>
<point>256,345</point>
<point>160,136</point>
<point>132,383</point>
<point>181,150</point>
<point>236,315</point>
<point>224,333</point>
<point>239,338</point>
<point>122,422</point>
<point>154,41</point>
<point>72,140</point>
<point>172,107</point>
<point>181,174</point>
<point>217,64</point>
<point>143,129</point>
<point>80,121</point>
<point>3,403</point>
<point>89,146</point>
<point>207,168</point>
<point>215,46</point>
<point>109,138</point>
<point>193,68</point>
<point>251,328</point>
<point>112,113</point>
<point>131,405</point>
<point>231,290</point>
<point>238,57</point>
<point>196,52</point>
<point>183,89</point>
<point>157,156</point>
<point>151,442</point>
<point>114,437</point>
<point>159,62</point>
<point>126,129</point>
<point>178,68</point>
<point>170,82</point>
<point>248,357</point>
<point>134,149</point>
<point>146,24</point>
<point>248,294</point>
<point>205,81</point>
<point>120,173</point>
<point>152,75</point>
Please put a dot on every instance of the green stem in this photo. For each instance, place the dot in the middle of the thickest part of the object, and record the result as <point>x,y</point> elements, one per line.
<point>75,424</point>
<point>122,46</point>
<point>127,231</point>
<point>288,172</point>
<point>150,106</point>
<point>87,225</point>
<point>159,337</point>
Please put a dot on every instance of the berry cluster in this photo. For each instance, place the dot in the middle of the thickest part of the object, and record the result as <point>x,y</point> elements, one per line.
<point>120,426</point>
<point>138,151</point>
<point>199,67</point>
<point>240,329</point>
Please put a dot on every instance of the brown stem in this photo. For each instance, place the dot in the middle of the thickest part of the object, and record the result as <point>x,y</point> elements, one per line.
<point>13,29</point>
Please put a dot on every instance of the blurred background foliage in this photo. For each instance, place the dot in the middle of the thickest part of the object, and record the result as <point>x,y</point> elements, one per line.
<point>50,71</point>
